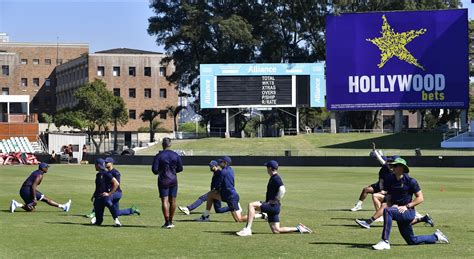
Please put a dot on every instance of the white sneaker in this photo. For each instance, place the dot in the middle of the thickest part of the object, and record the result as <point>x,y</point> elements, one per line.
<point>170,226</point>
<point>357,207</point>
<point>203,218</point>
<point>117,223</point>
<point>184,210</point>
<point>245,232</point>
<point>93,220</point>
<point>13,206</point>
<point>379,219</point>
<point>382,245</point>
<point>67,206</point>
<point>362,223</point>
<point>303,229</point>
<point>264,216</point>
<point>442,238</point>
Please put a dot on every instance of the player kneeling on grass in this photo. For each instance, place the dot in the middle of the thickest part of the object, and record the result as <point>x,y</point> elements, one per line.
<point>30,194</point>
<point>401,208</point>
<point>271,206</point>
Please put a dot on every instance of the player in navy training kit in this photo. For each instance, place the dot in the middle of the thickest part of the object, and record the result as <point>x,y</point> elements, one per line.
<point>227,193</point>
<point>166,165</point>
<point>377,189</point>
<point>401,208</point>
<point>30,194</point>
<point>215,185</point>
<point>116,196</point>
<point>271,205</point>
<point>105,186</point>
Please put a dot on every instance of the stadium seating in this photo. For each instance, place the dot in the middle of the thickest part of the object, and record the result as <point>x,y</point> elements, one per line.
<point>19,144</point>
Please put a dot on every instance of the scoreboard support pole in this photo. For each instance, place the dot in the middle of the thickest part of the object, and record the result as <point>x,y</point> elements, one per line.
<point>227,134</point>
<point>297,121</point>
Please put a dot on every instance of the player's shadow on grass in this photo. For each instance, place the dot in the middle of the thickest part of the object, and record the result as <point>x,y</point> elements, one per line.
<point>349,219</point>
<point>352,226</point>
<point>351,245</point>
<point>104,225</point>
<point>234,233</point>
<point>193,220</point>
<point>36,211</point>
<point>347,210</point>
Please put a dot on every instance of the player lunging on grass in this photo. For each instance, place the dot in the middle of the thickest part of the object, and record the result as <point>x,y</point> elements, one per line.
<point>215,186</point>
<point>271,205</point>
<point>400,207</point>
<point>166,165</point>
<point>31,195</point>
<point>105,186</point>
<point>227,193</point>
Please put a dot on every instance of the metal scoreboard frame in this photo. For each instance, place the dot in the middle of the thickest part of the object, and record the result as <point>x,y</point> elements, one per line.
<point>273,72</point>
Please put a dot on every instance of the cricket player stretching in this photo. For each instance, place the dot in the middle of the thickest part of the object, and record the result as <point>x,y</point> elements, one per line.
<point>271,206</point>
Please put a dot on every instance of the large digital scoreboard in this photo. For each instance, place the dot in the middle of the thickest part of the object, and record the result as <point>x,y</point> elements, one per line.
<point>262,85</point>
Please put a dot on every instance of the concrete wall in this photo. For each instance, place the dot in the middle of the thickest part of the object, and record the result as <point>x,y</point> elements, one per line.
<point>413,161</point>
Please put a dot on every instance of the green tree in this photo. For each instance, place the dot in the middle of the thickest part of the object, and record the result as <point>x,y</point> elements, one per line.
<point>470,112</point>
<point>471,48</point>
<point>95,105</point>
<point>150,115</point>
<point>119,116</point>
<point>173,111</point>
<point>48,118</point>
<point>313,117</point>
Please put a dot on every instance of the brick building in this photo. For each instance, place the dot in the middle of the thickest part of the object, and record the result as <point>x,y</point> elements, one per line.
<point>28,69</point>
<point>136,75</point>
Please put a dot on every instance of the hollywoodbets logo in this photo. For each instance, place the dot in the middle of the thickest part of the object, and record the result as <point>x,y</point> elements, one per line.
<point>392,46</point>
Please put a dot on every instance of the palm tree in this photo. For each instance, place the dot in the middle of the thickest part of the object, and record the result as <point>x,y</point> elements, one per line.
<point>150,115</point>
<point>173,111</point>
<point>119,116</point>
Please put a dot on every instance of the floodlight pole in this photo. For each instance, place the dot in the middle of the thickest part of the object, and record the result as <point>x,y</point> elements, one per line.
<point>297,121</point>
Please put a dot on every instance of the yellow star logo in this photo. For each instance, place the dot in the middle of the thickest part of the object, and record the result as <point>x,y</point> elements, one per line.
<point>393,44</point>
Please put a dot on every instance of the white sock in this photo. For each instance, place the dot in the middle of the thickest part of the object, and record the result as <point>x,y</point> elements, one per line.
<point>258,216</point>
<point>61,206</point>
<point>359,203</point>
<point>206,213</point>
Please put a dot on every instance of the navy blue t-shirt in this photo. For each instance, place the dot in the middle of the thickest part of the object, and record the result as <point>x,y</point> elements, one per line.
<point>116,174</point>
<point>216,180</point>
<point>384,172</point>
<point>31,179</point>
<point>273,187</point>
<point>166,165</point>
<point>227,183</point>
<point>103,182</point>
<point>401,192</point>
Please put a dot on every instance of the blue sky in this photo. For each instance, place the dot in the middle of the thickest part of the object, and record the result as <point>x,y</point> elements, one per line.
<point>104,24</point>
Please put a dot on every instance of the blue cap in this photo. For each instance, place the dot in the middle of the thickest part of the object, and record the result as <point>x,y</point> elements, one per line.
<point>109,160</point>
<point>225,159</point>
<point>213,163</point>
<point>272,164</point>
<point>43,165</point>
<point>100,163</point>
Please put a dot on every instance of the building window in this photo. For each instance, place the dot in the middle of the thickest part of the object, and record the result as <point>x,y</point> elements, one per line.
<point>162,93</point>
<point>131,71</point>
<point>5,91</point>
<point>36,61</point>
<point>59,61</point>
<point>147,92</point>
<point>162,71</point>
<point>117,91</point>
<point>24,61</point>
<point>5,70</point>
<point>132,93</point>
<point>47,82</point>
<point>100,71</point>
<point>132,114</point>
<point>163,115</point>
<point>47,61</point>
<point>36,82</point>
<point>147,71</point>
<point>24,82</point>
<point>116,71</point>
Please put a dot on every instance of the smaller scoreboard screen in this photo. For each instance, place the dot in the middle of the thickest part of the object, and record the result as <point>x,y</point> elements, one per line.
<point>263,85</point>
<point>266,90</point>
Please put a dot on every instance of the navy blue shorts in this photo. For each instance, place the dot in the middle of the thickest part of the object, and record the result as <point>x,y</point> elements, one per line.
<point>233,202</point>
<point>376,187</point>
<point>272,210</point>
<point>168,191</point>
<point>27,195</point>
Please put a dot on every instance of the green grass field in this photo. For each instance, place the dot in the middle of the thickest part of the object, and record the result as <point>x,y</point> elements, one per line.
<point>319,197</point>
<point>320,144</point>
